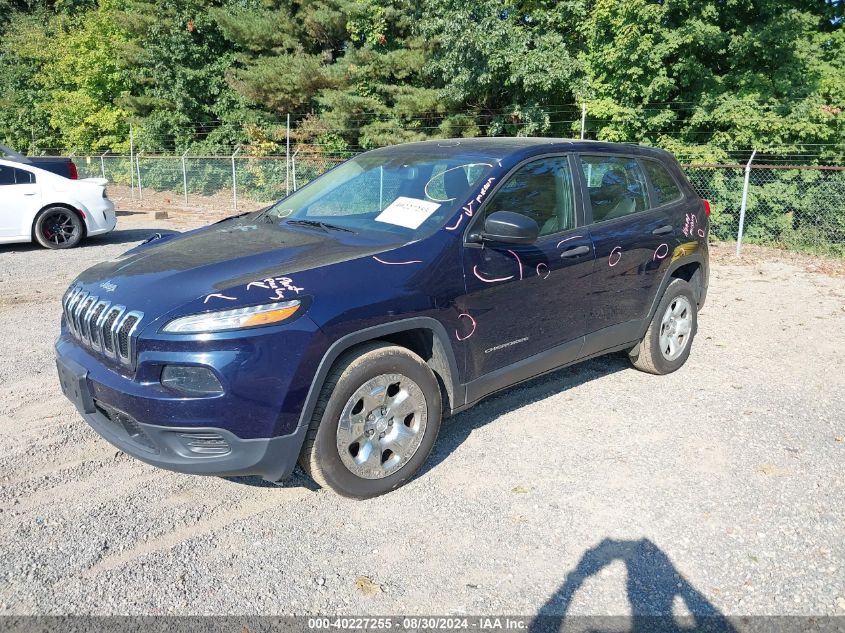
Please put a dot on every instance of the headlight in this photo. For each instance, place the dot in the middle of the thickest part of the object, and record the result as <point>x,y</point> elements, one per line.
<point>239,318</point>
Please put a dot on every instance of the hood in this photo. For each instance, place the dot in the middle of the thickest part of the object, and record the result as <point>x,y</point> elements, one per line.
<point>164,274</point>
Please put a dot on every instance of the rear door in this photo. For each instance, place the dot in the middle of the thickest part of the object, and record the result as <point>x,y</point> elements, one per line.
<point>632,238</point>
<point>524,300</point>
<point>19,198</point>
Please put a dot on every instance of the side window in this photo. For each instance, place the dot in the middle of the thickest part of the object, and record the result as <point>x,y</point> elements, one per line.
<point>616,185</point>
<point>7,175</point>
<point>14,176</point>
<point>665,187</point>
<point>23,177</point>
<point>541,190</point>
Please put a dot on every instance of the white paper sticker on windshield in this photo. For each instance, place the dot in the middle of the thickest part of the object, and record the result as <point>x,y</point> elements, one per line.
<point>407,212</point>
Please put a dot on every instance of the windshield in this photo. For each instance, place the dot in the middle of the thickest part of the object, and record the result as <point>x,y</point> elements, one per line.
<point>405,193</point>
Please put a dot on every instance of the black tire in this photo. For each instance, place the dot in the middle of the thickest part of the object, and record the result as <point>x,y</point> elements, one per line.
<point>320,456</point>
<point>650,356</point>
<point>58,227</point>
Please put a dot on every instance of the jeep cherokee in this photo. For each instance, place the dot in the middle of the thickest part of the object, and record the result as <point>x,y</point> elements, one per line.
<point>337,327</point>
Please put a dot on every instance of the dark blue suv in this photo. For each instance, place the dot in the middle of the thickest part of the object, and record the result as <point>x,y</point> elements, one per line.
<point>337,327</point>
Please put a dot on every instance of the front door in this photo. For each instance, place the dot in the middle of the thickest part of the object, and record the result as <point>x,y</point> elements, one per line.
<point>526,300</point>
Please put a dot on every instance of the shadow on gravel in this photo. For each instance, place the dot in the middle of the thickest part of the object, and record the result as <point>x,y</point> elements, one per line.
<point>458,428</point>
<point>297,480</point>
<point>120,236</point>
<point>654,587</point>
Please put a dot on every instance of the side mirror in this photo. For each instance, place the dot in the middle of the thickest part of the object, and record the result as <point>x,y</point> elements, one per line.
<point>509,228</point>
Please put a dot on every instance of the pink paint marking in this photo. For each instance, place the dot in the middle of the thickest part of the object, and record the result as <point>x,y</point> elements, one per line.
<point>518,261</point>
<point>488,281</point>
<point>700,232</point>
<point>456,224</point>
<point>657,254</point>
<point>219,296</point>
<point>410,261</point>
<point>471,332</point>
<point>546,267</point>
<point>617,250</point>
<point>574,237</point>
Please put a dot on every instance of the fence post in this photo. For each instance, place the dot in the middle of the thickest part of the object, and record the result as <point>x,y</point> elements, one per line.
<point>103,164</point>
<point>131,162</point>
<point>744,204</point>
<point>287,159</point>
<point>583,119</point>
<point>185,177</point>
<point>138,167</point>
<point>293,167</point>
<point>235,179</point>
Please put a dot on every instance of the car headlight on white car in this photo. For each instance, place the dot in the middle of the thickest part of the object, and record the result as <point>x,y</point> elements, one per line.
<point>235,319</point>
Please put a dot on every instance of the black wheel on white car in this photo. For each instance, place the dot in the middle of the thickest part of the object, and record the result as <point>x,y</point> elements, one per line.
<point>668,340</point>
<point>375,422</point>
<point>58,227</point>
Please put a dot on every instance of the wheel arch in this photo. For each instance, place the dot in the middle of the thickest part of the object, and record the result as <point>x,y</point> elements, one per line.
<point>424,336</point>
<point>62,205</point>
<point>689,268</point>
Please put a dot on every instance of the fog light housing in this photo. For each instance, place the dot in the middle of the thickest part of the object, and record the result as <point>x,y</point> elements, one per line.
<point>191,380</point>
<point>202,443</point>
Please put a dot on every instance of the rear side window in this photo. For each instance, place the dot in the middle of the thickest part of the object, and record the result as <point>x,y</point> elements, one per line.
<point>665,188</point>
<point>14,176</point>
<point>616,185</point>
<point>7,175</point>
<point>542,191</point>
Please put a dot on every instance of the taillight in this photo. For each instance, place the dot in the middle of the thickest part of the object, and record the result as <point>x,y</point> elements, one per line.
<point>706,207</point>
<point>73,173</point>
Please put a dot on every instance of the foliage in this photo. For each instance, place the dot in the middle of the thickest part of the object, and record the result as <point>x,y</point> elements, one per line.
<point>704,78</point>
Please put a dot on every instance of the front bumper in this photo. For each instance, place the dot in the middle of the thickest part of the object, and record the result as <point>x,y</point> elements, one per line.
<point>173,448</point>
<point>241,432</point>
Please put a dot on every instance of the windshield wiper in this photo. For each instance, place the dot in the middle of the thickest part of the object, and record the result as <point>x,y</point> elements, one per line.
<point>320,225</point>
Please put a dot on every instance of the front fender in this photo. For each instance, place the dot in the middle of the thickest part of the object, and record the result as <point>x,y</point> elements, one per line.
<point>454,389</point>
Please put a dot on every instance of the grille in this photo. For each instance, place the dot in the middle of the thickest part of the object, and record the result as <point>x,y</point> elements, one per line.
<point>100,325</point>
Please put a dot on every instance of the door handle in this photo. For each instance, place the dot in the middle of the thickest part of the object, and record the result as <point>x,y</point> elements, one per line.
<point>29,193</point>
<point>575,252</point>
<point>663,230</point>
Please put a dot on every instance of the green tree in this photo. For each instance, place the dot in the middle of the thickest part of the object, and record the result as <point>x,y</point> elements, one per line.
<point>176,60</point>
<point>731,75</point>
<point>514,66</point>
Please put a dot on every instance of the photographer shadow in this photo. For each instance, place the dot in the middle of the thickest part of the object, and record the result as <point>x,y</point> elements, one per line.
<point>653,586</point>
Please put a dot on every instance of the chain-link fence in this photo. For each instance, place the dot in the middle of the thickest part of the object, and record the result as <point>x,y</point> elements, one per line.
<point>795,207</point>
<point>243,179</point>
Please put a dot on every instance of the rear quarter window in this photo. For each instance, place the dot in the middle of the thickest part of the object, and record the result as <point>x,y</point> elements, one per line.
<point>15,176</point>
<point>666,190</point>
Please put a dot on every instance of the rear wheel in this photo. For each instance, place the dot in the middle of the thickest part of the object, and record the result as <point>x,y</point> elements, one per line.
<point>375,423</point>
<point>667,342</point>
<point>57,227</point>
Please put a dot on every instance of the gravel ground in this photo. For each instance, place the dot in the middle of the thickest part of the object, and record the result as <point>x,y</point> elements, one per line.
<point>594,490</point>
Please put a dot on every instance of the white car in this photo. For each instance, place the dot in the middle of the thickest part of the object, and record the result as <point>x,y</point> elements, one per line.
<point>37,205</point>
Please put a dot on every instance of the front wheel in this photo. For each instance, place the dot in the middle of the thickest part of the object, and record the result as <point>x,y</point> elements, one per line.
<point>57,227</point>
<point>667,342</point>
<point>375,423</point>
